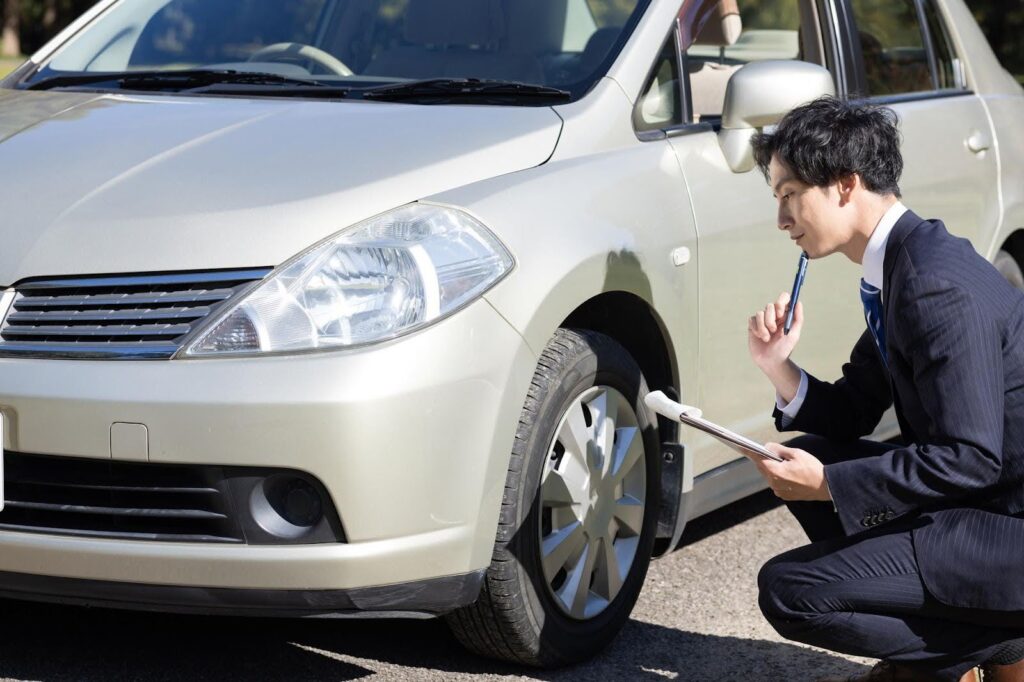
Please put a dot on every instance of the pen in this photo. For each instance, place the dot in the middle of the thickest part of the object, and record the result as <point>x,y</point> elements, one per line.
<point>801,272</point>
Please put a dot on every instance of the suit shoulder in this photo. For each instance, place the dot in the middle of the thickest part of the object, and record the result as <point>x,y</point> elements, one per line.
<point>931,249</point>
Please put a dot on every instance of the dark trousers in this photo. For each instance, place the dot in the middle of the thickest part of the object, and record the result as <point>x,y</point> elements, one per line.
<point>863,595</point>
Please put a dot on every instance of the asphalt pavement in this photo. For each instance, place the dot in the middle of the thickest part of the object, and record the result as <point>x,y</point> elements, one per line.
<point>696,620</point>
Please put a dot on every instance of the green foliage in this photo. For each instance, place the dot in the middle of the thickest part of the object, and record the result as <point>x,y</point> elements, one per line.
<point>1002,21</point>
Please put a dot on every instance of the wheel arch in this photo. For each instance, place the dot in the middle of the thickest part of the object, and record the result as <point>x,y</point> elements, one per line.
<point>634,324</point>
<point>1014,245</point>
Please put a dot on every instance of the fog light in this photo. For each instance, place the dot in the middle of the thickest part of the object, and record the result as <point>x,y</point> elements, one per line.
<point>286,506</point>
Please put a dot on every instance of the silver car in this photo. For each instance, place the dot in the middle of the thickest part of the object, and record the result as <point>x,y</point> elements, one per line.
<point>349,306</point>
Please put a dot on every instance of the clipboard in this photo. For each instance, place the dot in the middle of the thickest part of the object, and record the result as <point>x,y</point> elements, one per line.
<point>692,416</point>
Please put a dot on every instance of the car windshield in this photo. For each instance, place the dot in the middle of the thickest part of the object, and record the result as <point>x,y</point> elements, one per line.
<point>350,44</point>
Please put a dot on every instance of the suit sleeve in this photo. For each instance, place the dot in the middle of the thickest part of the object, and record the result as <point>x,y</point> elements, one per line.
<point>852,406</point>
<point>955,352</point>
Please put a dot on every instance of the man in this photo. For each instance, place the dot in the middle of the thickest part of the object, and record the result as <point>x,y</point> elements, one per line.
<point>917,550</point>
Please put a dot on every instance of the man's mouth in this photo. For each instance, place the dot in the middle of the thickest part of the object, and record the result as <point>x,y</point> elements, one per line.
<point>796,238</point>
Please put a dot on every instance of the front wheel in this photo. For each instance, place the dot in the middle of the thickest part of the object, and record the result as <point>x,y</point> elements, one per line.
<point>579,512</point>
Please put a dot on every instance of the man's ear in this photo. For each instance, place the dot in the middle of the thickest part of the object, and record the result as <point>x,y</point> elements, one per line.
<point>846,186</point>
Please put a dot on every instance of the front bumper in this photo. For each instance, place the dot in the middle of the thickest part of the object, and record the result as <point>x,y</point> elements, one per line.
<point>410,439</point>
<point>424,598</point>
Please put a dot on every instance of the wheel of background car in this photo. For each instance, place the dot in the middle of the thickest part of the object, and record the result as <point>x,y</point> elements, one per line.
<point>299,51</point>
<point>1011,270</point>
<point>579,512</point>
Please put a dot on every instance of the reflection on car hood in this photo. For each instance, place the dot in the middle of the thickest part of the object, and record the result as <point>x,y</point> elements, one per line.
<point>95,184</point>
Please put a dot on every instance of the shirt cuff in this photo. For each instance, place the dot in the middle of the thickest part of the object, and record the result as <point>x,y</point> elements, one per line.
<point>790,411</point>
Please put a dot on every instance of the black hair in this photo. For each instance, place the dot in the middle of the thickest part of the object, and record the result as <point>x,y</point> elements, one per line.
<point>828,139</point>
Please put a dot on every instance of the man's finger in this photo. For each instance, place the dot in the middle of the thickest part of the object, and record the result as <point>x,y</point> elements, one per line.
<point>759,328</point>
<point>771,318</point>
<point>798,314</point>
<point>780,450</point>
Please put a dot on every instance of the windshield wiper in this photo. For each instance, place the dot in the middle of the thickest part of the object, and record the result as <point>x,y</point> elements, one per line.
<point>466,89</point>
<point>188,79</point>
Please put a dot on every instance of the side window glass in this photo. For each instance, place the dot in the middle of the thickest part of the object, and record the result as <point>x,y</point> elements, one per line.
<point>660,105</point>
<point>737,32</point>
<point>891,42</point>
<point>945,59</point>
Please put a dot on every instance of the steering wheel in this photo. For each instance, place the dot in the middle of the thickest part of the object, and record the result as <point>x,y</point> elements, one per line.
<point>278,51</point>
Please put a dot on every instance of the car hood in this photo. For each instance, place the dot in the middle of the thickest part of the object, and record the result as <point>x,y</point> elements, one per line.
<point>100,183</point>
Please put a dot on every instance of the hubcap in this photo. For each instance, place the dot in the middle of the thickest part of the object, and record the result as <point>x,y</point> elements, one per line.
<point>593,492</point>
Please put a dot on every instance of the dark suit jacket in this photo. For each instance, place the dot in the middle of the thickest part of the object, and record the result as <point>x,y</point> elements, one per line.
<point>955,341</point>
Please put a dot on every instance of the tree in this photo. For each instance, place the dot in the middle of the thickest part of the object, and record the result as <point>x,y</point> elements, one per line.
<point>10,42</point>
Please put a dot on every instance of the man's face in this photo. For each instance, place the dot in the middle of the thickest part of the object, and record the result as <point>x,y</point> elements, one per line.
<point>811,216</point>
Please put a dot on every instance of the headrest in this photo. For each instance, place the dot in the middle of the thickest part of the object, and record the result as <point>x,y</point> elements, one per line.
<point>453,22</point>
<point>535,26</point>
<point>722,28</point>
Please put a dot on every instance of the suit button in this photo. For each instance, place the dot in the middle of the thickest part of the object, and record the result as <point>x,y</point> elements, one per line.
<point>864,522</point>
<point>889,515</point>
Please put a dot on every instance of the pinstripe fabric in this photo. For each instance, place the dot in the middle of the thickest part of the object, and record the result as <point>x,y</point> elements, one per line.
<point>955,341</point>
<point>929,537</point>
<point>864,595</point>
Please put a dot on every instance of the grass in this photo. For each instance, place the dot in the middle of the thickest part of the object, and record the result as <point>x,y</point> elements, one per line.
<point>8,64</point>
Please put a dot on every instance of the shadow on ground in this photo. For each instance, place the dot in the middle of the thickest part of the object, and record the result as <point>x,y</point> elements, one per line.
<point>51,643</point>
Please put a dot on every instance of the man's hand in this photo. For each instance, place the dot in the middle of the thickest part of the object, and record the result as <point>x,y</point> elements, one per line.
<point>769,346</point>
<point>800,477</point>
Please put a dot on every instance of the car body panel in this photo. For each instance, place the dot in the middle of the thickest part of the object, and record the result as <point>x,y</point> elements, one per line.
<point>411,437</point>
<point>169,182</point>
<point>377,426</point>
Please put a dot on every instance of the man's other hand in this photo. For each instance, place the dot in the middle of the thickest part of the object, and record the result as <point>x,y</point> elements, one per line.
<point>799,477</point>
<point>769,346</point>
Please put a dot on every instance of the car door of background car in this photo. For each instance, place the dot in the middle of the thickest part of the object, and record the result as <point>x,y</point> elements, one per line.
<point>905,56</point>
<point>745,261</point>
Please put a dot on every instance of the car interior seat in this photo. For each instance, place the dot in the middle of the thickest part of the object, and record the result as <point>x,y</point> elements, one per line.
<point>709,77</point>
<point>455,38</point>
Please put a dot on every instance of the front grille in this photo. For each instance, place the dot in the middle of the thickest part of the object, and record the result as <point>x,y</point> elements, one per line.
<point>131,316</point>
<point>105,498</point>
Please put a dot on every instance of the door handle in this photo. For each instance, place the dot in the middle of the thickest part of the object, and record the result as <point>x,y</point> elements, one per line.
<point>978,141</point>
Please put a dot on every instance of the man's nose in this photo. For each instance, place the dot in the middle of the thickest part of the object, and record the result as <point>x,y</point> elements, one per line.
<point>784,219</point>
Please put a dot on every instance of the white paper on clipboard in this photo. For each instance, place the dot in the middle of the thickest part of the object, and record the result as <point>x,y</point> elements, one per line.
<point>691,416</point>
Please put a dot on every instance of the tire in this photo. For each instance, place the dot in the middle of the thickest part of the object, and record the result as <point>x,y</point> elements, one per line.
<point>1007,265</point>
<point>528,612</point>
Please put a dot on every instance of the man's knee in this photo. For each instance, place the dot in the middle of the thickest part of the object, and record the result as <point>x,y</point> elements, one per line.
<point>776,591</point>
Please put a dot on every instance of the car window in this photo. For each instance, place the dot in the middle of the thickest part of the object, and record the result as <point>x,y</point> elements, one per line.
<point>737,32</point>
<point>945,59</point>
<point>568,44</point>
<point>893,47</point>
<point>202,32</point>
<point>660,106</point>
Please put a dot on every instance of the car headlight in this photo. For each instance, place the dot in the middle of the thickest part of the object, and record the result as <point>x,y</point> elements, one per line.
<point>379,279</point>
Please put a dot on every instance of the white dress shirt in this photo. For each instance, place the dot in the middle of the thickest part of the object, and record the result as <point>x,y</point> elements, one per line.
<point>874,266</point>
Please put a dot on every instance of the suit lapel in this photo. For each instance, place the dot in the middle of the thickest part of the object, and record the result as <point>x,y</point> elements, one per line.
<point>907,223</point>
<point>900,231</point>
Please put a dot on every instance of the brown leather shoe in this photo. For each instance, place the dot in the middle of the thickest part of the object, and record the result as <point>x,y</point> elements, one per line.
<point>1004,673</point>
<point>886,671</point>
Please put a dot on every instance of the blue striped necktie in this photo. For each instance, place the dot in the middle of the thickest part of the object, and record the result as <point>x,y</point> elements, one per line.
<point>871,297</point>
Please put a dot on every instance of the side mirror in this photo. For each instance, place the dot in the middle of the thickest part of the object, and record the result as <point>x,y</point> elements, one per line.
<point>759,95</point>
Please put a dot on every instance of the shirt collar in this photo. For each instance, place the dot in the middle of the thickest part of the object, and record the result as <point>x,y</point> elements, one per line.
<point>874,255</point>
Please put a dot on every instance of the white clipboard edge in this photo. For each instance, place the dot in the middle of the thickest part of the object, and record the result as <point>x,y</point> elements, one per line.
<point>692,416</point>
